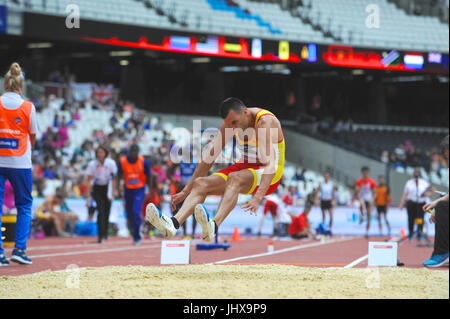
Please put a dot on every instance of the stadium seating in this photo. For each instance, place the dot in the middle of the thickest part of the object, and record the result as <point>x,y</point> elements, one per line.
<point>396,30</point>
<point>371,141</point>
<point>292,28</point>
<point>436,8</point>
<point>244,14</point>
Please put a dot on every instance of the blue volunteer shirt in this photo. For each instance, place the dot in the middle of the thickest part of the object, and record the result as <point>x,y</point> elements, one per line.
<point>186,171</point>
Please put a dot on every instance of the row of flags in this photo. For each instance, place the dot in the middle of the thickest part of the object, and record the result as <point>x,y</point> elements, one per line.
<point>82,91</point>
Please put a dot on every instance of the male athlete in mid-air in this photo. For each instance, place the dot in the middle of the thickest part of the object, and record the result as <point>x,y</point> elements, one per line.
<point>261,142</point>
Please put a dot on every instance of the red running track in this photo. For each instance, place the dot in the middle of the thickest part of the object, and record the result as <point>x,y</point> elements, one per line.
<point>339,251</point>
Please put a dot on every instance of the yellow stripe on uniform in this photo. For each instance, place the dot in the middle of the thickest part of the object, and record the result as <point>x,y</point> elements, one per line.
<point>261,113</point>
<point>255,181</point>
<point>225,177</point>
<point>281,149</point>
<point>280,164</point>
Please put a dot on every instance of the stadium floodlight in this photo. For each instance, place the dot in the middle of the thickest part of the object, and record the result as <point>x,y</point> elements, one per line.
<point>39,45</point>
<point>200,60</point>
<point>120,53</point>
<point>358,72</point>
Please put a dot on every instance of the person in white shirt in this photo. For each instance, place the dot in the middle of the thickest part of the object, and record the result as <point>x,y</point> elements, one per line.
<point>415,195</point>
<point>327,193</point>
<point>99,173</point>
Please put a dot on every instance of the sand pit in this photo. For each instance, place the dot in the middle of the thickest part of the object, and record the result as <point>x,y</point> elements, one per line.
<point>229,281</point>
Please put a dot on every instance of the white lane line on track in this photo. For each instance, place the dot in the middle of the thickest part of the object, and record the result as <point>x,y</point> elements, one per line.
<point>88,244</point>
<point>356,261</point>
<point>81,252</point>
<point>92,243</point>
<point>284,250</point>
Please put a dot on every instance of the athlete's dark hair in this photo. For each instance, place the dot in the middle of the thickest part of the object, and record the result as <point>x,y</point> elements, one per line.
<point>444,144</point>
<point>229,104</point>
<point>365,169</point>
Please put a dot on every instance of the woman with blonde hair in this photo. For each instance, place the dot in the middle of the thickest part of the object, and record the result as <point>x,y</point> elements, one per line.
<point>18,130</point>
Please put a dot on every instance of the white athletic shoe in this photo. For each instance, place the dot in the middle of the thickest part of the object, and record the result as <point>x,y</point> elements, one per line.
<point>163,223</point>
<point>208,225</point>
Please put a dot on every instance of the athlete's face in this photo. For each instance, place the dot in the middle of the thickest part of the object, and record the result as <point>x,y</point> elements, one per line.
<point>381,180</point>
<point>326,176</point>
<point>236,119</point>
<point>365,174</point>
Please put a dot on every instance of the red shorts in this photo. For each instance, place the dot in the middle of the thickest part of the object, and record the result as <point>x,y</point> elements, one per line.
<point>272,207</point>
<point>298,224</point>
<point>256,170</point>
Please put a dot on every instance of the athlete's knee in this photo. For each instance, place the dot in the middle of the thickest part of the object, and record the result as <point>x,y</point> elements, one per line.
<point>201,185</point>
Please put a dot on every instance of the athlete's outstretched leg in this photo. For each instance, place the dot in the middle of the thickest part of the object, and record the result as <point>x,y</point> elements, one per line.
<point>212,185</point>
<point>238,182</point>
<point>203,186</point>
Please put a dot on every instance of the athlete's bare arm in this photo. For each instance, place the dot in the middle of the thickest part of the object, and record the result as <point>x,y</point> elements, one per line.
<point>32,139</point>
<point>317,195</point>
<point>334,193</point>
<point>203,166</point>
<point>374,197</point>
<point>268,135</point>
<point>357,189</point>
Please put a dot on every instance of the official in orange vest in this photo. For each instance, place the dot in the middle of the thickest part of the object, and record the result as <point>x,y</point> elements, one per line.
<point>18,130</point>
<point>136,172</point>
